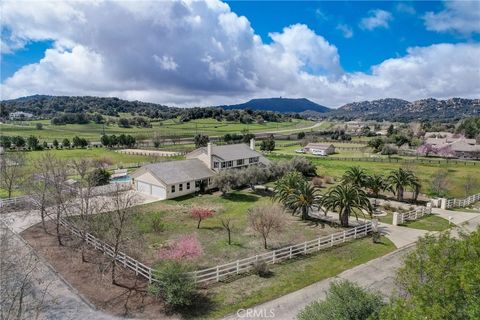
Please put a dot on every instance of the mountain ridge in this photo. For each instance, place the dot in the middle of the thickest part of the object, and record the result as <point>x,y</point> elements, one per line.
<point>284,105</point>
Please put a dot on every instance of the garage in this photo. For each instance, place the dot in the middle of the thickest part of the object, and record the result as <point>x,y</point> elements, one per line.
<point>144,187</point>
<point>159,191</point>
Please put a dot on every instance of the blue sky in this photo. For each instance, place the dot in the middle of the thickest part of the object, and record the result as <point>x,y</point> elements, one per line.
<point>206,53</point>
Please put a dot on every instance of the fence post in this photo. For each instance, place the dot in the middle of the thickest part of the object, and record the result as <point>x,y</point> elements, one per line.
<point>273,257</point>
<point>355,233</point>
<point>218,274</point>
<point>331,240</point>
<point>238,266</point>
<point>290,255</point>
<point>344,235</point>
<point>318,244</point>
<point>305,247</point>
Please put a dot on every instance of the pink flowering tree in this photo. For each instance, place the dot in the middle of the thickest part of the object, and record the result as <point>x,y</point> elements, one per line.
<point>445,152</point>
<point>185,248</point>
<point>201,214</point>
<point>425,149</point>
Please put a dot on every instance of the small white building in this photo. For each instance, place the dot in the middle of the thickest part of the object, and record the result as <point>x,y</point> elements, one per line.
<point>20,115</point>
<point>320,149</point>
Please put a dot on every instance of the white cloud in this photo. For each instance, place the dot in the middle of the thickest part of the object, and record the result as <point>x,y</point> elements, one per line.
<point>405,8</point>
<point>202,53</point>
<point>346,30</point>
<point>376,19</point>
<point>458,16</point>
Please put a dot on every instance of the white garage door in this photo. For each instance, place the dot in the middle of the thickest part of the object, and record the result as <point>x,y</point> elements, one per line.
<point>143,187</point>
<point>159,192</point>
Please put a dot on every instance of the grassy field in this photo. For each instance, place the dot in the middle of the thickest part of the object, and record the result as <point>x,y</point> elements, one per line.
<point>293,275</point>
<point>430,223</point>
<point>93,131</point>
<point>176,220</point>
<point>425,172</point>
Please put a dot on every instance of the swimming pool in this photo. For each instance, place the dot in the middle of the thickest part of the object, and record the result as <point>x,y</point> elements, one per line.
<point>126,178</point>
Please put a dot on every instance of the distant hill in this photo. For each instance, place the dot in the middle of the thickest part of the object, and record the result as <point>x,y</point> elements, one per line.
<point>284,105</point>
<point>402,110</point>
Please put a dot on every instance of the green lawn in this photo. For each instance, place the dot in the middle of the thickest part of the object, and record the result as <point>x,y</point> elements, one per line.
<point>176,220</point>
<point>430,223</point>
<point>456,173</point>
<point>92,131</point>
<point>293,275</point>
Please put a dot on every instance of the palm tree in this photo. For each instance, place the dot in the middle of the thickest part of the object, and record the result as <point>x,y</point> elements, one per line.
<point>303,199</point>
<point>376,183</point>
<point>287,185</point>
<point>356,176</point>
<point>345,198</point>
<point>402,178</point>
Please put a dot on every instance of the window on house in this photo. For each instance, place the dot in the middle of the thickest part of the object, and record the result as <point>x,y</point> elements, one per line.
<point>215,164</point>
<point>180,187</point>
<point>240,162</point>
<point>197,184</point>
<point>229,164</point>
<point>224,164</point>
<point>188,185</point>
<point>173,189</point>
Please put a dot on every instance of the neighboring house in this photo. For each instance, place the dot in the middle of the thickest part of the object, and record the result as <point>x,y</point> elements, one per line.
<point>171,179</point>
<point>20,115</point>
<point>461,147</point>
<point>228,156</point>
<point>321,149</point>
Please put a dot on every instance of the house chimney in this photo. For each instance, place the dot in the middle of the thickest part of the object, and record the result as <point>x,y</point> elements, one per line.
<point>252,144</point>
<point>209,155</point>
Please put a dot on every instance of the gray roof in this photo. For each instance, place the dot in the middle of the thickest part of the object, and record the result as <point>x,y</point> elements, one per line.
<point>172,172</point>
<point>230,152</point>
<point>319,145</point>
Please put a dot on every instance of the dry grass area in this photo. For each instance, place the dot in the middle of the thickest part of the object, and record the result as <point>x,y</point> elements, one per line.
<point>92,278</point>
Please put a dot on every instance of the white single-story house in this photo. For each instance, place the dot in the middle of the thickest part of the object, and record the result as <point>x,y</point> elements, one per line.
<point>171,179</point>
<point>321,149</point>
<point>20,115</point>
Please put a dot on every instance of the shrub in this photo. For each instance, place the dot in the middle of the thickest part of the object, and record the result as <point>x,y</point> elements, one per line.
<point>345,301</point>
<point>175,285</point>
<point>261,269</point>
<point>100,177</point>
<point>185,248</point>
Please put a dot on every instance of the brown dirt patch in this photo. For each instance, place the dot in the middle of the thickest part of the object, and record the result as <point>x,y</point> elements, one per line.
<point>93,278</point>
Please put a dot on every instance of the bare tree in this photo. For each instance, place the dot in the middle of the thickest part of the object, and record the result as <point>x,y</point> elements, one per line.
<point>39,186</point>
<point>439,182</point>
<point>228,224</point>
<point>12,165</point>
<point>86,201</point>
<point>265,220</point>
<point>22,294</point>
<point>470,184</point>
<point>119,224</point>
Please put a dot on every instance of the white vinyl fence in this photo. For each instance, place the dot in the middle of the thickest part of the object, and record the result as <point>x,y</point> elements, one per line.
<point>400,218</point>
<point>217,273</point>
<point>16,201</point>
<point>461,203</point>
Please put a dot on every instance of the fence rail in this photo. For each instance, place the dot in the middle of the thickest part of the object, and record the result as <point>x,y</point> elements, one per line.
<point>217,273</point>
<point>411,215</point>
<point>461,203</point>
<point>15,201</point>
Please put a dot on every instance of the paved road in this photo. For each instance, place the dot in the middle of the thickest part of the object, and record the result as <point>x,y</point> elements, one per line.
<point>376,274</point>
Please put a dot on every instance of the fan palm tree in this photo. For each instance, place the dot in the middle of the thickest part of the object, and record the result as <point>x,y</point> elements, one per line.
<point>303,199</point>
<point>287,185</point>
<point>345,198</point>
<point>356,176</point>
<point>401,179</point>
